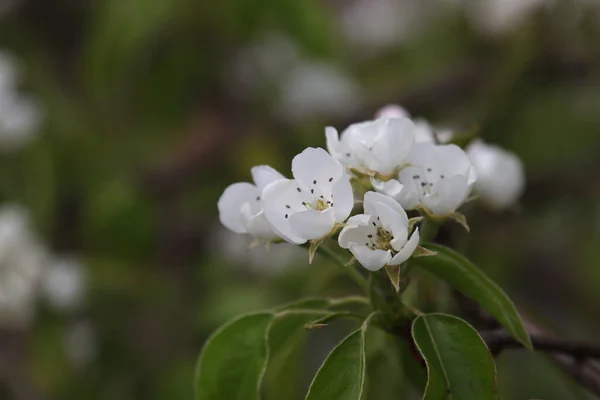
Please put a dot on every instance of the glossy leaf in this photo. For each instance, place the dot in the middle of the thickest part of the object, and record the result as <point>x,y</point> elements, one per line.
<point>468,279</point>
<point>286,339</point>
<point>459,365</point>
<point>233,359</point>
<point>343,373</point>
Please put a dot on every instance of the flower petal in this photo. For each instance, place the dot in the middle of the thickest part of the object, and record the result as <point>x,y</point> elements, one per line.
<point>231,201</point>
<point>281,199</point>
<point>372,198</point>
<point>373,260</point>
<point>393,221</point>
<point>264,174</point>
<point>450,194</point>
<point>356,231</point>
<point>343,198</point>
<point>256,224</point>
<point>408,249</point>
<point>394,141</point>
<point>312,224</point>
<point>392,111</point>
<point>315,166</point>
<point>390,188</point>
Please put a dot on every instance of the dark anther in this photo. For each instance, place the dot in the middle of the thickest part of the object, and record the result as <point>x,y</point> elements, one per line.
<point>416,177</point>
<point>367,244</point>
<point>287,206</point>
<point>321,196</point>
<point>257,198</point>
<point>442,176</point>
<point>303,203</point>
<point>374,224</point>
<point>330,179</point>
<point>423,184</point>
<point>286,216</point>
<point>298,189</point>
<point>369,236</point>
<point>428,169</point>
<point>314,182</point>
<point>312,191</point>
<point>347,154</point>
<point>332,204</point>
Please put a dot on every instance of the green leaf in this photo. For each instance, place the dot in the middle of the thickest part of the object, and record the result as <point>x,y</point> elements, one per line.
<point>233,359</point>
<point>342,375</point>
<point>307,303</point>
<point>472,282</point>
<point>459,365</point>
<point>286,339</point>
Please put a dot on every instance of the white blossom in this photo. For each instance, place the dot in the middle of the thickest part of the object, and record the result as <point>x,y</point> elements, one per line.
<point>22,261</point>
<point>426,133</point>
<point>437,180</point>
<point>392,111</point>
<point>241,204</point>
<point>317,88</point>
<point>377,147</point>
<point>380,236</point>
<point>80,343</point>
<point>64,284</point>
<point>310,205</point>
<point>500,174</point>
<point>20,115</point>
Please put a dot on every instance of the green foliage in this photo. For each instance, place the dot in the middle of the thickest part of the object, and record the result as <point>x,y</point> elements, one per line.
<point>233,360</point>
<point>468,279</point>
<point>459,364</point>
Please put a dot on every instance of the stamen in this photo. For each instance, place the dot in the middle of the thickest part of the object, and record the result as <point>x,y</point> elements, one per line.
<point>369,236</point>
<point>330,179</point>
<point>312,191</point>
<point>286,216</point>
<point>314,182</point>
<point>287,206</point>
<point>298,189</point>
<point>442,176</point>
<point>428,169</point>
<point>257,198</point>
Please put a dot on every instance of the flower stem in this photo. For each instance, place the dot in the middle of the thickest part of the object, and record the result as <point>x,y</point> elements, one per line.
<point>429,229</point>
<point>349,269</point>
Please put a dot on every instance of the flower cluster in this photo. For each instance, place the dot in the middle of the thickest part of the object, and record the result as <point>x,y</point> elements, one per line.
<point>393,164</point>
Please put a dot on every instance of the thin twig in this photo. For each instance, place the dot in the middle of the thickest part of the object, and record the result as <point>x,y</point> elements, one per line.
<point>500,339</point>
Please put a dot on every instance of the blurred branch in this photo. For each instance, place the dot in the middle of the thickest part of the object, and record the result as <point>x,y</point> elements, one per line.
<point>500,339</point>
<point>571,355</point>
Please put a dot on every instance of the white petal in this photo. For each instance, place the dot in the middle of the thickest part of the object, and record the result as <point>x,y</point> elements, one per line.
<point>334,146</point>
<point>314,167</point>
<point>392,111</point>
<point>373,260</point>
<point>390,188</point>
<point>256,224</point>
<point>312,224</point>
<point>392,221</point>
<point>372,198</point>
<point>423,132</point>
<point>395,138</point>
<point>231,201</point>
<point>500,174</point>
<point>343,198</point>
<point>264,174</point>
<point>356,230</point>
<point>276,198</point>
<point>450,194</point>
<point>407,250</point>
<point>453,161</point>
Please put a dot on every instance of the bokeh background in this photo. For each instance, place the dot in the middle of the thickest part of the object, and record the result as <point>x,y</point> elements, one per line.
<point>128,118</point>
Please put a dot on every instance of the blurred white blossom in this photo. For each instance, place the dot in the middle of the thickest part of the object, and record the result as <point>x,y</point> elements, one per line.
<point>318,88</point>
<point>64,284</point>
<point>22,261</point>
<point>500,16</point>
<point>20,114</point>
<point>500,174</point>
<point>80,343</point>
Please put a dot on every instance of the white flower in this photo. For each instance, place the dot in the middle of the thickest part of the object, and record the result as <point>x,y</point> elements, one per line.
<point>310,205</point>
<point>241,206</point>
<point>437,180</point>
<point>500,174</point>
<point>392,111</point>
<point>425,133</point>
<point>80,343</point>
<point>312,88</point>
<point>64,284</point>
<point>22,261</point>
<point>373,147</point>
<point>379,237</point>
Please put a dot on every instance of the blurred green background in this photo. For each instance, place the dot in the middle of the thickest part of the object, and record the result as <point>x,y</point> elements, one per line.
<point>152,107</point>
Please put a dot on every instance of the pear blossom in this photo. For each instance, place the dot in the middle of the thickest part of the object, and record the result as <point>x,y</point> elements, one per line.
<point>376,148</point>
<point>64,284</point>
<point>424,131</point>
<point>437,180</point>
<point>392,111</point>
<point>241,206</point>
<point>380,236</point>
<point>309,206</point>
<point>500,174</point>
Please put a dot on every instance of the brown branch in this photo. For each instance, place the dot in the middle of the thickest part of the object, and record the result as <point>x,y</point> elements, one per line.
<point>500,339</point>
